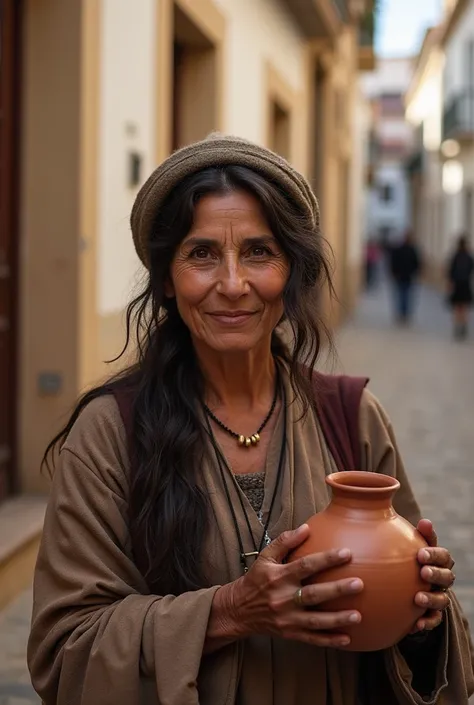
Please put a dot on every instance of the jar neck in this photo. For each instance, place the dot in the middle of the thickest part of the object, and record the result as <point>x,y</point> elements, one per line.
<point>360,499</point>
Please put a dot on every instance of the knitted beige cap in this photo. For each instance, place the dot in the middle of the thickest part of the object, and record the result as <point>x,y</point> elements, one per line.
<point>216,150</point>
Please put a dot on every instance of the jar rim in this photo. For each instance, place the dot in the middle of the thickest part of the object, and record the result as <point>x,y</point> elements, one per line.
<point>353,481</point>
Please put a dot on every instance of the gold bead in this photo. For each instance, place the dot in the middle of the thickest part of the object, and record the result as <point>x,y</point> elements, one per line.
<point>248,442</point>
<point>241,440</point>
<point>257,437</point>
<point>254,440</point>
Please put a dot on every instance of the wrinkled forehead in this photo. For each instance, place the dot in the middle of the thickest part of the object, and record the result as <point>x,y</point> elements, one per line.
<point>235,210</point>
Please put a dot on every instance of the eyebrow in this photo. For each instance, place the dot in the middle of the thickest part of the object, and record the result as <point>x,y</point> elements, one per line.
<point>196,241</point>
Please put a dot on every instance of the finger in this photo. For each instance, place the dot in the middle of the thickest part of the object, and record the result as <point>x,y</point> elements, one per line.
<point>326,621</point>
<point>286,542</point>
<point>436,556</point>
<point>433,620</point>
<point>426,529</point>
<point>321,639</point>
<point>429,621</point>
<point>312,595</point>
<point>314,563</point>
<point>432,600</point>
<point>438,576</point>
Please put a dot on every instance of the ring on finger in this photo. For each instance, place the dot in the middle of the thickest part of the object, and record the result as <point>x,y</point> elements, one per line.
<point>298,597</point>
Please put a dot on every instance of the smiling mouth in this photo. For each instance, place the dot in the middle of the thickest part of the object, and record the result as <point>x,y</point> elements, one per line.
<point>232,318</point>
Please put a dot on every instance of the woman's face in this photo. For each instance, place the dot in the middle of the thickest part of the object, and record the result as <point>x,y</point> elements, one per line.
<point>228,274</point>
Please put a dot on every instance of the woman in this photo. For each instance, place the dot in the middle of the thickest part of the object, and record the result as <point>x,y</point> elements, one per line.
<point>161,576</point>
<point>459,275</point>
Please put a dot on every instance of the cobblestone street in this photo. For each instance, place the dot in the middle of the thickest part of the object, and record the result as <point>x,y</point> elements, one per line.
<point>426,383</point>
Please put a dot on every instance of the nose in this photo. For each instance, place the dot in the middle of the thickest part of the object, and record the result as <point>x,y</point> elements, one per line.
<point>233,282</point>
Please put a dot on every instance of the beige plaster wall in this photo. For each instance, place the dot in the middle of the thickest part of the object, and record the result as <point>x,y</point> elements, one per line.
<point>57,228</point>
<point>128,44</point>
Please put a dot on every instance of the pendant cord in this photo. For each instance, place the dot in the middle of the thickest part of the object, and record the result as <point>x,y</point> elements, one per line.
<point>240,436</point>
<point>280,468</point>
<point>223,464</point>
<point>229,501</point>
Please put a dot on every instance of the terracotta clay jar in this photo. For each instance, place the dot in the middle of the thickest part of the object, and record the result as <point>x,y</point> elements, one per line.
<point>384,556</point>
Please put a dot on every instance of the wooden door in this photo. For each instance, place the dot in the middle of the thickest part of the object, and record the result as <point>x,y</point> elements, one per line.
<point>9,131</point>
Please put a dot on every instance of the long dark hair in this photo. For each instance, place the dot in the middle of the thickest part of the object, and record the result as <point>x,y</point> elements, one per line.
<point>168,508</point>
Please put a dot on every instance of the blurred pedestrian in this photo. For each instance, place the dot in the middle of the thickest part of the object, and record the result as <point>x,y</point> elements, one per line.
<point>405,265</point>
<point>459,276</point>
<point>372,257</point>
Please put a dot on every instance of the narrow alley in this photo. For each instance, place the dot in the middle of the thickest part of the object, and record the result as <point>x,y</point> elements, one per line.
<point>426,382</point>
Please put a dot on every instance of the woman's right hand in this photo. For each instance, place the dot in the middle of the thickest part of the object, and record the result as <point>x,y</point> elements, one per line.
<point>263,600</point>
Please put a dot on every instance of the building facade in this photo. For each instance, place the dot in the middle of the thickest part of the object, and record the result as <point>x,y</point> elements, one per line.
<point>458,123</point>
<point>440,106</point>
<point>424,110</point>
<point>98,92</point>
<point>389,212</point>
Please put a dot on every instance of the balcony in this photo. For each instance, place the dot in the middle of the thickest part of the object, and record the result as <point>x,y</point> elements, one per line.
<point>458,118</point>
<point>324,18</point>
<point>319,18</point>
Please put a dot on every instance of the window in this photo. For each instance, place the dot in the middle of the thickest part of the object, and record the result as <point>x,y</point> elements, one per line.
<point>386,193</point>
<point>392,105</point>
<point>280,130</point>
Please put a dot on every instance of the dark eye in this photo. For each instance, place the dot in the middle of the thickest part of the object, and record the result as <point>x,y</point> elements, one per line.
<point>200,253</point>
<point>260,251</point>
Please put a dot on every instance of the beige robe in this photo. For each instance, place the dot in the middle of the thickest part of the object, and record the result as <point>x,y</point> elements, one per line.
<point>99,638</point>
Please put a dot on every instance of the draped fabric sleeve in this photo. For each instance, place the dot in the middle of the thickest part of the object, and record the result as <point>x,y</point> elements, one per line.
<point>97,636</point>
<point>453,678</point>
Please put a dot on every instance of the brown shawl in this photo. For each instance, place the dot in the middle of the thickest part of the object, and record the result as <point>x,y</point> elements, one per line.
<point>99,638</point>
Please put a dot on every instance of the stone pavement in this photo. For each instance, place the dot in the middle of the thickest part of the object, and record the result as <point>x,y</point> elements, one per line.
<point>15,686</point>
<point>426,383</point>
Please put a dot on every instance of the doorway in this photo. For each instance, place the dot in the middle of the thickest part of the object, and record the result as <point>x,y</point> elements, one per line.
<point>195,95</point>
<point>280,130</point>
<point>319,132</point>
<point>9,136</point>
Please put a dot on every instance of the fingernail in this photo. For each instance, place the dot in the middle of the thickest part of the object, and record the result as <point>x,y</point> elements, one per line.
<point>429,573</point>
<point>423,599</point>
<point>426,555</point>
<point>344,641</point>
<point>354,617</point>
<point>344,553</point>
<point>356,584</point>
<point>301,528</point>
<point>421,626</point>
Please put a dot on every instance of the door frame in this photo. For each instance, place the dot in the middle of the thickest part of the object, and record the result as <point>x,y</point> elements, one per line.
<point>10,86</point>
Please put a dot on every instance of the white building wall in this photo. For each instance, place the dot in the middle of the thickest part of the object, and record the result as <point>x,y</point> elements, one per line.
<point>395,129</point>
<point>393,214</point>
<point>391,76</point>
<point>258,31</point>
<point>127,115</point>
<point>456,80</point>
<point>456,67</point>
<point>425,110</point>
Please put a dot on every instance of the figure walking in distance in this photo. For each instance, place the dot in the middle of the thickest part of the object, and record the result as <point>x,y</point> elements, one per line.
<point>459,276</point>
<point>405,266</point>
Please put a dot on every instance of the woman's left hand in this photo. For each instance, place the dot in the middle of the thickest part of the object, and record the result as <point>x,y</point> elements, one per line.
<point>436,569</point>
